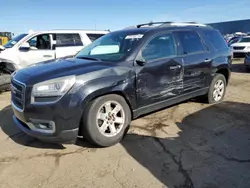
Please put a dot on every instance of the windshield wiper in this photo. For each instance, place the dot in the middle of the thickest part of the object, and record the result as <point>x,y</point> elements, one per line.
<point>89,58</point>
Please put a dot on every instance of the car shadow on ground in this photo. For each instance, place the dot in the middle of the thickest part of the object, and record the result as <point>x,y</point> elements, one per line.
<point>9,128</point>
<point>207,149</point>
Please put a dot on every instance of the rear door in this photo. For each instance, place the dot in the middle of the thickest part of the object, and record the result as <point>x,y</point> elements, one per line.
<point>67,44</point>
<point>197,60</point>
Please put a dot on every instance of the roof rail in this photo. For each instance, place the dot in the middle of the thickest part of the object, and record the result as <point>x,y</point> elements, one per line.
<point>151,24</point>
<point>164,24</point>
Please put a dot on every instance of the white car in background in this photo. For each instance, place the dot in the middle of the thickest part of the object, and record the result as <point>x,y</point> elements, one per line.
<point>28,49</point>
<point>242,47</point>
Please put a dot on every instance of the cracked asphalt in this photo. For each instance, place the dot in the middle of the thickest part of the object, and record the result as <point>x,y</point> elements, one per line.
<point>189,145</point>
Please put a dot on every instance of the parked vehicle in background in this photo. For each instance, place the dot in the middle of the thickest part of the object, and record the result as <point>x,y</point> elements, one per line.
<point>242,47</point>
<point>233,40</point>
<point>28,49</point>
<point>247,61</point>
<point>5,37</point>
<point>120,77</point>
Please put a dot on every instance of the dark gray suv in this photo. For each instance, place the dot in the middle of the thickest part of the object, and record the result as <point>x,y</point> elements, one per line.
<point>117,78</point>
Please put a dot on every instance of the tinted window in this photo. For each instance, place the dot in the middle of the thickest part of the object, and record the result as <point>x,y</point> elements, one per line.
<point>93,37</point>
<point>63,40</point>
<point>161,46</point>
<point>190,41</point>
<point>215,38</point>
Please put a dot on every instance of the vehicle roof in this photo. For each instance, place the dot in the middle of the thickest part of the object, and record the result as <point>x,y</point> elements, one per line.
<point>165,28</point>
<point>71,31</point>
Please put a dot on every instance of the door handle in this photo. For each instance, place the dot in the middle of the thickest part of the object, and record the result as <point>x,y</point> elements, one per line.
<point>47,55</point>
<point>174,67</point>
<point>207,60</point>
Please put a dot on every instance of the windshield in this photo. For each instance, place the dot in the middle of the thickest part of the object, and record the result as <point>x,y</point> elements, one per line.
<point>111,47</point>
<point>245,39</point>
<point>12,42</point>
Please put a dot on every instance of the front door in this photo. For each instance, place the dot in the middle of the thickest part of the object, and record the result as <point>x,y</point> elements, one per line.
<point>40,50</point>
<point>161,78</point>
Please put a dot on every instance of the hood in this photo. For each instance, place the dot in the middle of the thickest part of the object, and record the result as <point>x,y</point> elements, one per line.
<point>241,44</point>
<point>60,68</point>
<point>7,53</point>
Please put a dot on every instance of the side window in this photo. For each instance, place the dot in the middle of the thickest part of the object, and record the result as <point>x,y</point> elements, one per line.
<point>64,40</point>
<point>215,38</point>
<point>93,36</point>
<point>161,46</point>
<point>190,41</point>
<point>40,42</point>
<point>77,40</point>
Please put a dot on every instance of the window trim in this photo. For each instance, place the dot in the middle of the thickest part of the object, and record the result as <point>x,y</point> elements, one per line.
<point>151,38</point>
<point>204,45</point>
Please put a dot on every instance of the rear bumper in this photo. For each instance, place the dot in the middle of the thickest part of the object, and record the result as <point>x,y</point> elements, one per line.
<point>64,137</point>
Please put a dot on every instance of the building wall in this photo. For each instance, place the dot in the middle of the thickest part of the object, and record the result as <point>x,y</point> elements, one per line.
<point>232,26</point>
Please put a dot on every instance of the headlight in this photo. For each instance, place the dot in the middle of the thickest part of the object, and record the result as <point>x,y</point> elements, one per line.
<point>53,88</point>
<point>248,47</point>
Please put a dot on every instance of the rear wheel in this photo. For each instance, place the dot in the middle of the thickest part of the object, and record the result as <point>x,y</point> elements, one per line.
<point>217,89</point>
<point>106,120</point>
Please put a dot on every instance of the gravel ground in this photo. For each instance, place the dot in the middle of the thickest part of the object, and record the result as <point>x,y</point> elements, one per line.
<point>187,145</point>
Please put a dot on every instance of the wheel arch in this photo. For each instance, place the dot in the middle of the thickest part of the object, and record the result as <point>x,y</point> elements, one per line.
<point>225,72</point>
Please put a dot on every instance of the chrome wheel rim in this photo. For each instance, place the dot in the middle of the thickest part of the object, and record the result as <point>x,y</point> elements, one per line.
<point>110,118</point>
<point>219,88</point>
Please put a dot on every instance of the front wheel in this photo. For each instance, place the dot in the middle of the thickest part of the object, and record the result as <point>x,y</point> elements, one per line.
<point>217,89</point>
<point>5,80</point>
<point>106,120</point>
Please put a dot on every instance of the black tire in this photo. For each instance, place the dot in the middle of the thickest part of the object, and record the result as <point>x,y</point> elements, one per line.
<point>89,128</point>
<point>209,97</point>
<point>5,82</point>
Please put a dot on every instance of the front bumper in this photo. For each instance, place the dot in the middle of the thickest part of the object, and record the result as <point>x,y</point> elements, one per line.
<point>64,137</point>
<point>240,53</point>
<point>62,118</point>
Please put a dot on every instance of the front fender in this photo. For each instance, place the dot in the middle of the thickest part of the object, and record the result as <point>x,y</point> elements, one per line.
<point>124,85</point>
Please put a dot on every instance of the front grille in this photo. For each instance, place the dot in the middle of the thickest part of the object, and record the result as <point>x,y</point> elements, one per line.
<point>239,47</point>
<point>17,93</point>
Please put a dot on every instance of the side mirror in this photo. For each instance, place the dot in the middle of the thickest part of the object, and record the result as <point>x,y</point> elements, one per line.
<point>25,46</point>
<point>141,62</point>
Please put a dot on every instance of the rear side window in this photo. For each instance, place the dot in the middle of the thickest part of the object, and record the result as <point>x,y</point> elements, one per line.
<point>190,41</point>
<point>66,40</point>
<point>215,38</point>
<point>93,36</point>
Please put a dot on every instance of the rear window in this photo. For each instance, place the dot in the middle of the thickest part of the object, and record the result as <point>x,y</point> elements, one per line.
<point>191,42</point>
<point>66,40</point>
<point>215,38</point>
<point>93,36</point>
